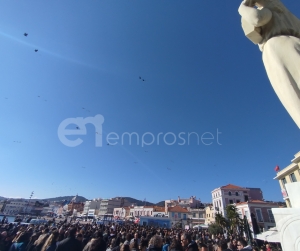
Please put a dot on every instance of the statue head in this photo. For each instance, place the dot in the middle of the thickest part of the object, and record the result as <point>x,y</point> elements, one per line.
<point>273,5</point>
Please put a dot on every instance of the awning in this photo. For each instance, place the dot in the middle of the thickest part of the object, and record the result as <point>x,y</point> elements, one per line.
<point>271,235</point>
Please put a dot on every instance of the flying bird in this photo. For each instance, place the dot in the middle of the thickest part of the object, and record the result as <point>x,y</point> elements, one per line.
<point>143,79</point>
<point>25,34</point>
<point>140,77</point>
<point>169,168</point>
<point>36,50</point>
<point>135,162</point>
<point>77,127</point>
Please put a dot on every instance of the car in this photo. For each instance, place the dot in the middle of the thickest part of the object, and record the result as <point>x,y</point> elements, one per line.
<point>159,215</point>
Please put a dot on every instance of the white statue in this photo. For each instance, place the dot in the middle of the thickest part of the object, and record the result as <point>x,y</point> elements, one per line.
<point>276,30</point>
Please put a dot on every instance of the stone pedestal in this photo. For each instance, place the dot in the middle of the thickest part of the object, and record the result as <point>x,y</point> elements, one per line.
<point>288,219</point>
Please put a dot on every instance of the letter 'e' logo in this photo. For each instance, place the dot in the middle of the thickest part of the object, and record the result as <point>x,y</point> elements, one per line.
<point>80,122</point>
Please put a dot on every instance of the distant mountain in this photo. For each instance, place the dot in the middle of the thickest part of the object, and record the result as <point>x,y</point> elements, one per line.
<point>160,204</point>
<point>138,202</point>
<point>83,199</point>
<point>68,198</point>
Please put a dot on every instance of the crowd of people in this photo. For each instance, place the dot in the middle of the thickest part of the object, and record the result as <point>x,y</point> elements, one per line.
<point>68,236</point>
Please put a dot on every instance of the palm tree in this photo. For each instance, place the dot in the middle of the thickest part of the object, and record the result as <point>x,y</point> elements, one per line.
<point>220,220</point>
<point>233,218</point>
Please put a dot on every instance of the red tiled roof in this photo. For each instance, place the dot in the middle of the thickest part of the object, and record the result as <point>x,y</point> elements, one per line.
<point>178,209</point>
<point>231,186</point>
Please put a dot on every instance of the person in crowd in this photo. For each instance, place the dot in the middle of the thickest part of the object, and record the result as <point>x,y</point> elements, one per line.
<point>51,243</point>
<point>222,246</point>
<point>20,242</point>
<point>242,244</point>
<point>175,245</point>
<point>187,243</point>
<point>70,243</point>
<point>166,244</point>
<point>155,243</point>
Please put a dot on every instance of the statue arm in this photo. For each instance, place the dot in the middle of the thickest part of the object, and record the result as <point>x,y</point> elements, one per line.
<point>255,16</point>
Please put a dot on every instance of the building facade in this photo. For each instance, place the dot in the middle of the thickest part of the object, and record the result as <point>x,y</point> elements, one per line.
<point>289,174</point>
<point>91,207</point>
<point>178,216</point>
<point>196,216</point>
<point>151,211</point>
<point>75,206</point>
<point>121,212</point>
<point>107,205</point>
<point>191,202</point>
<point>209,215</point>
<point>232,194</point>
<point>258,213</point>
<point>14,207</point>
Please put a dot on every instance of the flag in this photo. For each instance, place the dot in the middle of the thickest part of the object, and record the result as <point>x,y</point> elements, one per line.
<point>276,168</point>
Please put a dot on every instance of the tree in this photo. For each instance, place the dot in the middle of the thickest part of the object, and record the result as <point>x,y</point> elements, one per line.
<point>215,229</point>
<point>220,220</point>
<point>233,218</point>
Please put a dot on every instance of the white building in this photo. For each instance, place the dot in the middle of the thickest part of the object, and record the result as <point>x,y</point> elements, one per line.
<point>16,207</point>
<point>121,212</point>
<point>107,205</point>
<point>147,211</point>
<point>92,207</point>
<point>232,194</point>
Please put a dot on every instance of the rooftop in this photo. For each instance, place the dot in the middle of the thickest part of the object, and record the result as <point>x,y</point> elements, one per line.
<point>178,209</point>
<point>231,186</point>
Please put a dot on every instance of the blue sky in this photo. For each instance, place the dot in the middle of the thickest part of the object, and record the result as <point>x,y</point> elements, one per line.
<point>201,75</point>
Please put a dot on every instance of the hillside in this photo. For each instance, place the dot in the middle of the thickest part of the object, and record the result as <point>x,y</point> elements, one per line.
<point>67,198</point>
<point>138,202</point>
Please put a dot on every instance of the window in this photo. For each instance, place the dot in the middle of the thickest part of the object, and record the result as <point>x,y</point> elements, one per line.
<point>230,201</point>
<point>229,193</point>
<point>238,201</point>
<point>259,215</point>
<point>184,216</point>
<point>173,214</point>
<point>179,215</point>
<point>271,216</point>
<point>293,177</point>
<point>236,193</point>
<point>283,182</point>
<point>194,215</point>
